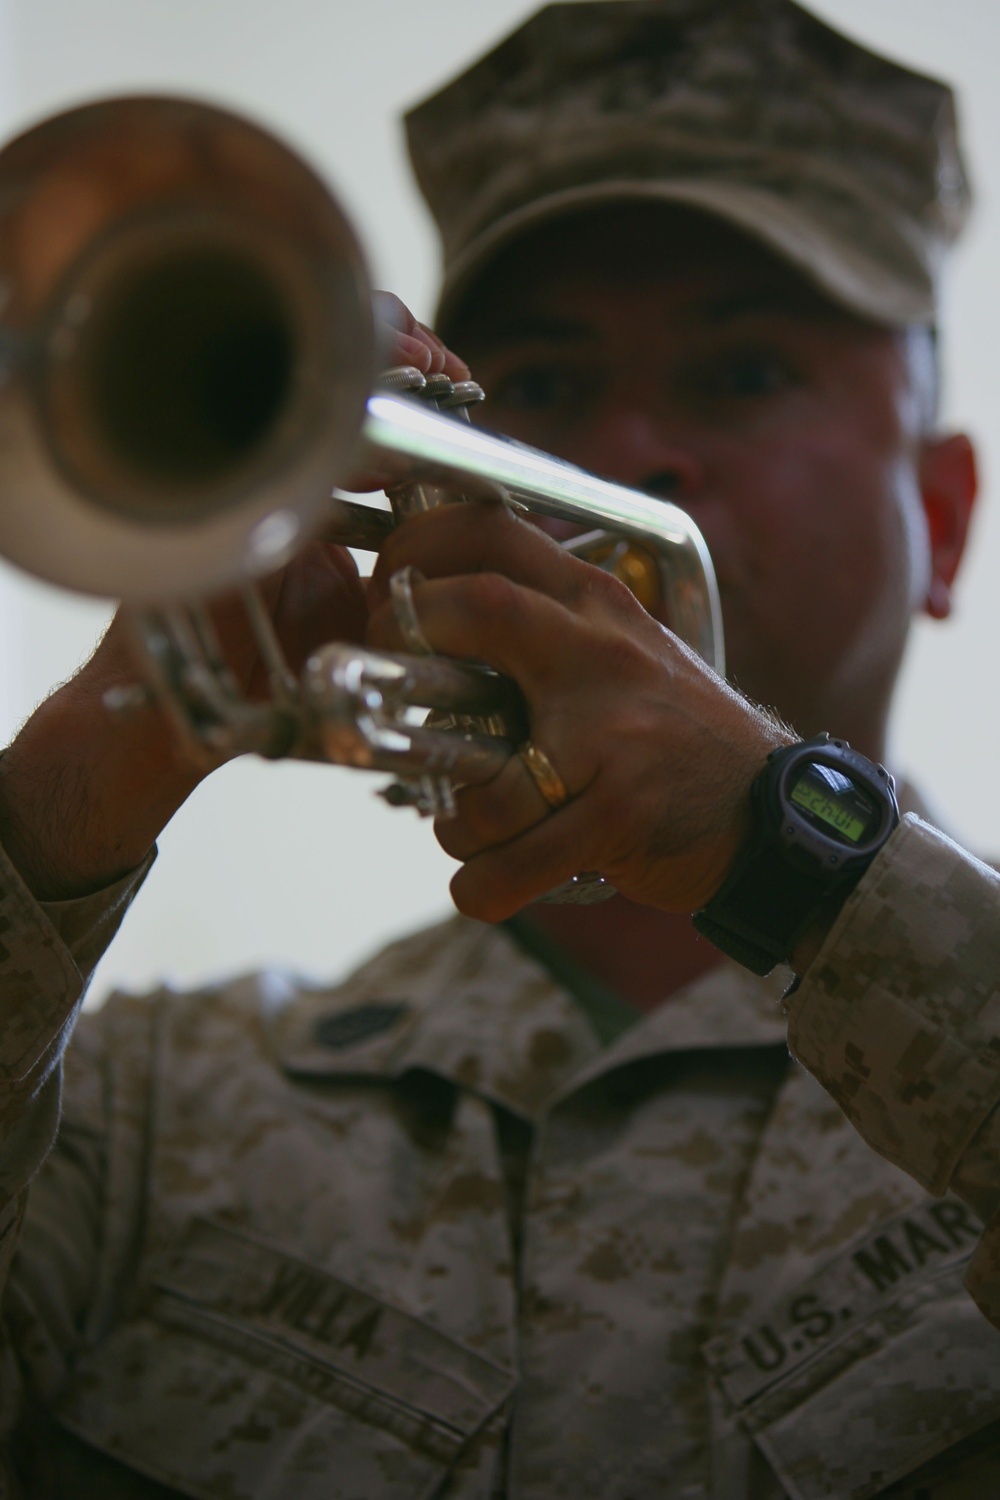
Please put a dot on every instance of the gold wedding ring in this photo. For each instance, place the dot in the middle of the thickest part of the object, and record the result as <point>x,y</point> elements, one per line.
<point>405,610</point>
<point>544,774</point>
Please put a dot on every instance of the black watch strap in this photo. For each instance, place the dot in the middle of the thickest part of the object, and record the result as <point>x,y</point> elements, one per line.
<point>761,910</point>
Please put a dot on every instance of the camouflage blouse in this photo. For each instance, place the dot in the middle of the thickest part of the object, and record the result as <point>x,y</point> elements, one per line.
<point>455,1229</point>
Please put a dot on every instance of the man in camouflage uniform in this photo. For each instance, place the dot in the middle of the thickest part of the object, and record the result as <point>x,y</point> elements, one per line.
<point>546,1210</point>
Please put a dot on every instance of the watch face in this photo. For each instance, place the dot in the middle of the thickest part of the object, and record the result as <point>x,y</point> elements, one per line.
<point>835,804</point>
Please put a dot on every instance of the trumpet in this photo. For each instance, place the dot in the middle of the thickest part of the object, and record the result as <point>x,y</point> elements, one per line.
<point>187,359</point>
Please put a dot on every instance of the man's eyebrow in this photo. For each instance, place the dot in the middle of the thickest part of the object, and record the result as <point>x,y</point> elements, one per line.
<point>715,308</point>
<point>536,328</point>
<point>730,307</point>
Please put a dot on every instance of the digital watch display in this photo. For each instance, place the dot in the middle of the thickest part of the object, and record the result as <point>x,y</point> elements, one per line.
<point>837,804</point>
<point>821,812</point>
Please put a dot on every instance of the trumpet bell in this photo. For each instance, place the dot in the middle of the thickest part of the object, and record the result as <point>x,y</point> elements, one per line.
<point>186,349</point>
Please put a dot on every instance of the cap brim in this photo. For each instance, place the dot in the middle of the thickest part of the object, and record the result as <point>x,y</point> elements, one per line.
<point>832,261</point>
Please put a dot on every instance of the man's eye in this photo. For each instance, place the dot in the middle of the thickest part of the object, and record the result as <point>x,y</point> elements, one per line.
<point>747,375</point>
<point>537,388</point>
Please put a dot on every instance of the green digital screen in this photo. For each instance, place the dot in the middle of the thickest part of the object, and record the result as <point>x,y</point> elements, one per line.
<point>834,801</point>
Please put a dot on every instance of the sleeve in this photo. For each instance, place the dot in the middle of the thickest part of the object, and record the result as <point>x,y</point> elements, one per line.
<point>87,925</point>
<point>47,954</point>
<point>899,1018</point>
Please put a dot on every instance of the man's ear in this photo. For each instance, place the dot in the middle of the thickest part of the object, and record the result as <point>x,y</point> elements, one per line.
<point>949,484</point>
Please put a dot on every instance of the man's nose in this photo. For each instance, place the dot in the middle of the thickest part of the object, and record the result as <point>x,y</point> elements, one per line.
<point>643,449</point>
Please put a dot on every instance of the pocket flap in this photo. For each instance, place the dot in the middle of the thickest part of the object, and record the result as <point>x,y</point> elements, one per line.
<point>871,1367</point>
<point>252,1373</point>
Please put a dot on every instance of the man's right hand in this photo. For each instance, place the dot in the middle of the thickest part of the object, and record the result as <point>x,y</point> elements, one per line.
<point>655,752</point>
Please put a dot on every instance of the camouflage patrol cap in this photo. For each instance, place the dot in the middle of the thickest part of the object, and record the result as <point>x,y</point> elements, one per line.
<point>843,162</point>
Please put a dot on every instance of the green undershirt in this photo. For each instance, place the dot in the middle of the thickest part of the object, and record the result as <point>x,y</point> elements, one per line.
<point>608,1014</point>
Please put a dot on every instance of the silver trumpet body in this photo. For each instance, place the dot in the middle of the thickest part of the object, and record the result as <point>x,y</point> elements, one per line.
<point>187,368</point>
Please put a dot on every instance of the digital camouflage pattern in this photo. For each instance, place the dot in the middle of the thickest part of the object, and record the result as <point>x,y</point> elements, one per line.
<point>844,162</point>
<point>423,1235</point>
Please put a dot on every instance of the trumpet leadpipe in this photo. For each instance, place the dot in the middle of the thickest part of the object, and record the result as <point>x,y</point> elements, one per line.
<point>413,443</point>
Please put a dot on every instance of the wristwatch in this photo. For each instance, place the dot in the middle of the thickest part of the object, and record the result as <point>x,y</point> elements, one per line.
<point>821,812</point>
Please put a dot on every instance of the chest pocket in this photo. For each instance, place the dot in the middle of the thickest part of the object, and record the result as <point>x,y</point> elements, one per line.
<point>254,1375</point>
<point>875,1367</point>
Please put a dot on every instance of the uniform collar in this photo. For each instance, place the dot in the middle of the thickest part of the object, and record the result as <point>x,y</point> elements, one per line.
<point>463,1001</point>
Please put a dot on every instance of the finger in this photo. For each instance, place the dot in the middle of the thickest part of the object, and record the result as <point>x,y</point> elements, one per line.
<point>494,813</point>
<point>495,884</point>
<point>451,364</point>
<point>317,597</point>
<point>478,537</point>
<point>402,341</point>
<point>487,617</point>
<point>392,311</point>
<point>407,350</point>
<point>407,341</point>
<point>321,598</point>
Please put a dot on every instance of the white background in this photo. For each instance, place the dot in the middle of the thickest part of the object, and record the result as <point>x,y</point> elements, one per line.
<point>300,866</point>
